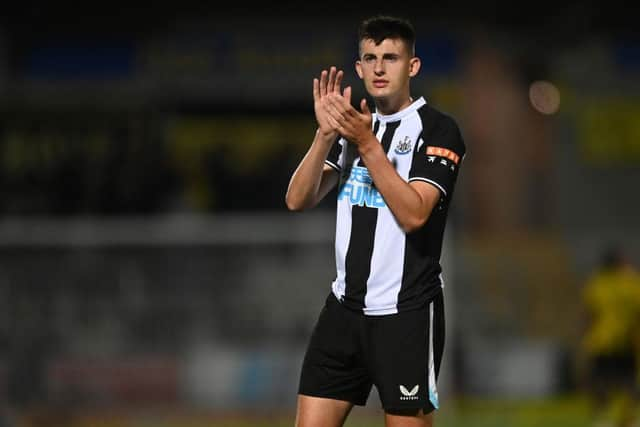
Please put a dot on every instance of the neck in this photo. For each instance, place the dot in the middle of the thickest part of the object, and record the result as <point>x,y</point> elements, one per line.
<point>388,106</point>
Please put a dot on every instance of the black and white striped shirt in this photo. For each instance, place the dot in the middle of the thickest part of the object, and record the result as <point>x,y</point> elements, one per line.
<point>381,269</point>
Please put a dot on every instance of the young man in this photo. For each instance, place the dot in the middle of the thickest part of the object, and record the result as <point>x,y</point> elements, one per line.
<point>383,321</point>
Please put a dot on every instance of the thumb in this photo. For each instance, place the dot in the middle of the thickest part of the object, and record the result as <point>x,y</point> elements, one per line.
<point>364,107</point>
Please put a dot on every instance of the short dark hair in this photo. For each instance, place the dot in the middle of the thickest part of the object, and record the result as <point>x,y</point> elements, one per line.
<point>381,27</point>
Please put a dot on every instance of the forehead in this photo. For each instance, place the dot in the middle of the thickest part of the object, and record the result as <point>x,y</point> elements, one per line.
<point>368,46</point>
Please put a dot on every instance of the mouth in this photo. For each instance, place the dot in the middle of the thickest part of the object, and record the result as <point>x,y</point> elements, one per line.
<point>380,83</point>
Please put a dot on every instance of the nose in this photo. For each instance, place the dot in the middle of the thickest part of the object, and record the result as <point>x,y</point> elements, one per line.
<point>378,68</point>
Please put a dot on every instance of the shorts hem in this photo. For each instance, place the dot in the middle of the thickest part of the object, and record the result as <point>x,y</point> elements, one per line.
<point>357,402</point>
<point>426,409</point>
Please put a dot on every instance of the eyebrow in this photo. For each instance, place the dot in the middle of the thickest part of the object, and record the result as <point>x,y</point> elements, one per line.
<point>384,55</point>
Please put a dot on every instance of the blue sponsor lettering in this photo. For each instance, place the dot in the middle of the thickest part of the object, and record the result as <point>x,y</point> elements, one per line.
<point>359,190</point>
<point>360,174</point>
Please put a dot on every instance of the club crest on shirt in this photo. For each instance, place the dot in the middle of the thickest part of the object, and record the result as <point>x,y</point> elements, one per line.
<point>403,146</point>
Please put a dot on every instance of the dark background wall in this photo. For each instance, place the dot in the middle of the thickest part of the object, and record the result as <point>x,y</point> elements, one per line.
<point>144,158</point>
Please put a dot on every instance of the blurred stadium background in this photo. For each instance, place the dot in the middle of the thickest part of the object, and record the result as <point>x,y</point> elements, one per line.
<point>151,275</point>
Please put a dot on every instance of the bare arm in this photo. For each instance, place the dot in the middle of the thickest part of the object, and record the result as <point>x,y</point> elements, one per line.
<point>313,179</point>
<point>410,203</point>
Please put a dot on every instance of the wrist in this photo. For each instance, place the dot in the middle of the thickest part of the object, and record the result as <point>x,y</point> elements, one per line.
<point>329,136</point>
<point>368,145</point>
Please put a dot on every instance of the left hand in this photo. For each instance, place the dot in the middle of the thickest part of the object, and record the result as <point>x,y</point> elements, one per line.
<point>353,125</point>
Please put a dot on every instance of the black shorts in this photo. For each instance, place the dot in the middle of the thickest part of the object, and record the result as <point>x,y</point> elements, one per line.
<point>398,353</point>
<point>616,370</point>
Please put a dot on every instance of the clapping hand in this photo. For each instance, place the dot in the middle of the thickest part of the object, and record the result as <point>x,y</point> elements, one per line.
<point>324,88</point>
<point>353,125</point>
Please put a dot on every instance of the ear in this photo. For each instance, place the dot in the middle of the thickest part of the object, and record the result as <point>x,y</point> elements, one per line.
<point>414,66</point>
<point>359,69</point>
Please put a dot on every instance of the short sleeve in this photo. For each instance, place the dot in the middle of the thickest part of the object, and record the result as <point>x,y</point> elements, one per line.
<point>335,158</point>
<point>438,156</point>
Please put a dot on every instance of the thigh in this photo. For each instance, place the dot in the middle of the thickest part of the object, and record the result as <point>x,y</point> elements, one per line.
<point>321,412</point>
<point>409,419</point>
<point>406,351</point>
<point>333,365</point>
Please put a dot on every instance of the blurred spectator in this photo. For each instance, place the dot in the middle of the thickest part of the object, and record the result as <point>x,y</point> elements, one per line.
<point>611,342</point>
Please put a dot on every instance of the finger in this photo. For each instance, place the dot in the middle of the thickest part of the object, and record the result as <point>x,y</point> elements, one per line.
<point>332,111</point>
<point>339,117</point>
<point>341,104</point>
<point>364,107</point>
<point>323,83</point>
<point>333,122</point>
<point>336,87</point>
<point>344,129</point>
<point>347,94</point>
<point>335,101</point>
<point>332,79</point>
<point>316,89</point>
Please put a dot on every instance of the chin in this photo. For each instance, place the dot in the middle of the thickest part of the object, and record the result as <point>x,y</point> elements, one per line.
<point>379,93</point>
<point>379,98</point>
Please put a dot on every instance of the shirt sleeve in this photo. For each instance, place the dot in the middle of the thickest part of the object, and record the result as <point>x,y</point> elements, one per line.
<point>335,157</point>
<point>438,156</point>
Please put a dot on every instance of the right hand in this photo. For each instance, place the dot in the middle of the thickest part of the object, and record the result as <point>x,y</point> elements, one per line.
<point>329,82</point>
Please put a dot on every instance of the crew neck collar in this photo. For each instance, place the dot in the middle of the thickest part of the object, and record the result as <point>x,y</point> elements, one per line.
<point>402,113</point>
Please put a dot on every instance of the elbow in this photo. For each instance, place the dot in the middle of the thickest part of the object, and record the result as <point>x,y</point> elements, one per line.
<point>412,224</point>
<point>293,204</point>
<point>293,207</point>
